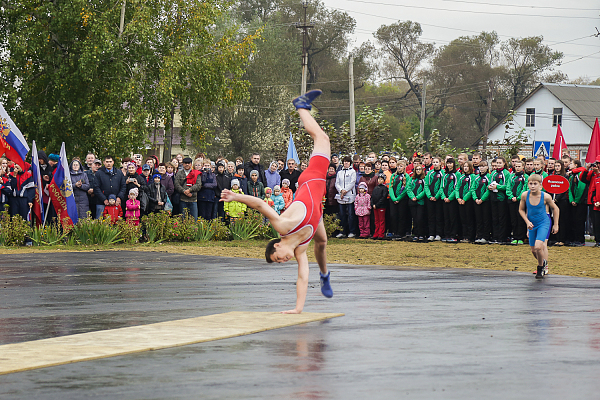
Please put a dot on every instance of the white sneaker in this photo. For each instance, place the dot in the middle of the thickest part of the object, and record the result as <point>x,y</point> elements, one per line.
<point>340,235</point>
<point>438,238</point>
<point>430,238</point>
<point>351,235</point>
<point>483,241</point>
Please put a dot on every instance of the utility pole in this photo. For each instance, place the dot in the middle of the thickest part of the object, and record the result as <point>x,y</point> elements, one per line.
<point>486,129</point>
<point>352,111</point>
<point>304,26</point>
<point>422,130</point>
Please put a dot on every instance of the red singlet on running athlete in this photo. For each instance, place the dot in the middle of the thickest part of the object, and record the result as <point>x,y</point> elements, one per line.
<point>302,221</point>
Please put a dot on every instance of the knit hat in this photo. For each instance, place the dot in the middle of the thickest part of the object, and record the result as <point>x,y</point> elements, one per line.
<point>112,197</point>
<point>134,191</point>
<point>254,172</point>
<point>235,182</point>
<point>382,176</point>
<point>156,176</point>
<point>286,181</point>
<point>268,190</point>
<point>363,185</point>
<point>54,157</point>
<point>276,187</point>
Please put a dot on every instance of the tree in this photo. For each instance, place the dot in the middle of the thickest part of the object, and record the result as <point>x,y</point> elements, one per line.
<point>70,75</point>
<point>527,62</point>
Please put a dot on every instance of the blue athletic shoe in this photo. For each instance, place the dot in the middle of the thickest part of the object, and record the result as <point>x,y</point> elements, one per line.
<point>307,98</point>
<point>325,285</point>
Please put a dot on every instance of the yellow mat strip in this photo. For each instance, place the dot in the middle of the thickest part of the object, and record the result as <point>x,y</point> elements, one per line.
<point>115,342</point>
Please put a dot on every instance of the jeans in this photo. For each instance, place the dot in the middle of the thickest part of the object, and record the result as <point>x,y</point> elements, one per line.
<point>347,218</point>
<point>99,210</point>
<point>192,208</point>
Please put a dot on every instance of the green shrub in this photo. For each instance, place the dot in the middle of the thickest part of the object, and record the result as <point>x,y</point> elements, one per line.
<point>204,231</point>
<point>13,230</point>
<point>332,224</point>
<point>246,227</point>
<point>130,233</point>
<point>50,235</point>
<point>96,231</point>
<point>184,229</point>
<point>159,226</point>
<point>219,230</point>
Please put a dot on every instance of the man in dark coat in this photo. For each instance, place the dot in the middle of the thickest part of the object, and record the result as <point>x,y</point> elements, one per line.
<point>254,164</point>
<point>109,180</point>
<point>91,174</point>
<point>291,173</point>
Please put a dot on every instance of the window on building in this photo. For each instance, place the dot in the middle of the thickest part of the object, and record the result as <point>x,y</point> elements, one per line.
<point>530,117</point>
<point>557,117</point>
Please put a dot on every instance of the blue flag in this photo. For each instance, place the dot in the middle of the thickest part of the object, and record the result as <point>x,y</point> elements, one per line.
<point>292,153</point>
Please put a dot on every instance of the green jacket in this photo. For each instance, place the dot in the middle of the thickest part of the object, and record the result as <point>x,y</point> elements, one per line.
<point>463,187</point>
<point>416,188</point>
<point>235,209</point>
<point>433,183</point>
<point>502,179</point>
<point>576,189</point>
<point>543,173</point>
<point>479,190</point>
<point>517,184</point>
<point>398,184</point>
<point>448,186</point>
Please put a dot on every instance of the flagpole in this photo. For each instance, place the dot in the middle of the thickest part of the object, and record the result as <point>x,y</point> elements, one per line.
<point>46,214</point>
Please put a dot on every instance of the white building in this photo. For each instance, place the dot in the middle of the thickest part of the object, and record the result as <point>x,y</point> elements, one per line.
<point>573,107</point>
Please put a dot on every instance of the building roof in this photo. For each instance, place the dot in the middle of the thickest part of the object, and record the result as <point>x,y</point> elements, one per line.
<point>583,100</point>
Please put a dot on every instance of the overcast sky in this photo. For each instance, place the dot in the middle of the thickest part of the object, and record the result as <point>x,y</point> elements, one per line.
<point>445,20</point>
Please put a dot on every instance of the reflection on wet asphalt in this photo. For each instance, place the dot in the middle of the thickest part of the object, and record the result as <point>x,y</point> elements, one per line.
<point>407,333</point>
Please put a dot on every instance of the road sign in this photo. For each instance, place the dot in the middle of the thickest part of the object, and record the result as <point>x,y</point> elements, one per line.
<point>541,148</point>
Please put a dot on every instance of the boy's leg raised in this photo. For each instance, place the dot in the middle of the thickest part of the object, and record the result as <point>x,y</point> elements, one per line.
<point>303,106</point>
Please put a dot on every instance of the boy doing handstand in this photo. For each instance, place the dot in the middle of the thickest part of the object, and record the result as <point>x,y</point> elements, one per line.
<point>302,221</point>
<point>538,221</point>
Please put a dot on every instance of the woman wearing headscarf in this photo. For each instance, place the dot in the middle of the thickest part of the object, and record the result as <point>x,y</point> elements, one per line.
<point>81,184</point>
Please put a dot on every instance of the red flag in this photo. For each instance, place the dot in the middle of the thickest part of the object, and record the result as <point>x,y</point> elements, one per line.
<point>559,144</point>
<point>594,149</point>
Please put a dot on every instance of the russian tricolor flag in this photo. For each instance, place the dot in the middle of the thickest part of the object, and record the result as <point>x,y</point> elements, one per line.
<point>12,142</point>
<point>61,191</point>
<point>38,205</point>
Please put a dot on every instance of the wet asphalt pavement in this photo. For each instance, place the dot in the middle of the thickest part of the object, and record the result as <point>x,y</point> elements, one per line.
<point>418,334</point>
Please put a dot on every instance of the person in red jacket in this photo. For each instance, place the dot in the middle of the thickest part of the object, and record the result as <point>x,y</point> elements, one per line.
<point>112,210</point>
<point>593,177</point>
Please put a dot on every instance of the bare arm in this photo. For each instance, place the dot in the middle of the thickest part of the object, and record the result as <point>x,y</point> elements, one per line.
<point>523,211</point>
<point>302,282</point>
<point>555,211</point>
<point>255,203</point>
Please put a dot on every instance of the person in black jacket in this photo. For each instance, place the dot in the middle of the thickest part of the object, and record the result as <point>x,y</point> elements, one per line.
<point>91,174</point>
<point>157,195</point>
<point>254,164</point>
<point>223,182</point>
<point>291,173</point>
<point>109,180</point>
<point>379,203</point>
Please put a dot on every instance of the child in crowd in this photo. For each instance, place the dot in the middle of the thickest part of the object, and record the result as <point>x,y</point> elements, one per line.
<point>450,205</point>
<point>362,208</point>
<point>499,206</point>
<point>286,192</point>
<point>132,215</point>
<point>535,210</point>
<point>112,210</point>
<point>517,184</point>
<point>399,212</point>
<point>242,180</point>
<point>480,195</point>
<point>268,197</point>
<point>463,194</point>
<point>415,191</point>
<point>255,188</point>
<point>235,209</point>
<point>595,200</point>
<point>578,200</point>
<point>562,201</point>
<point>538,168</point>
<point>379,202</point>
<point>279,202</point>
<point>435,211</point>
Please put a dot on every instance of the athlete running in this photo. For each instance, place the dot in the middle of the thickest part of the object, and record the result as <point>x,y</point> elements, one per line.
<point>538,221</point>
<point>302,220</point>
